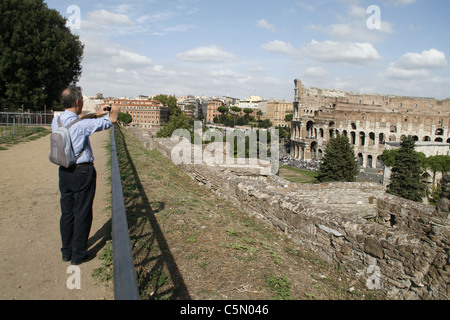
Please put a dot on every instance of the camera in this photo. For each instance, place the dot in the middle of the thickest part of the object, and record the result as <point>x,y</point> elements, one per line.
<point>108,109</point>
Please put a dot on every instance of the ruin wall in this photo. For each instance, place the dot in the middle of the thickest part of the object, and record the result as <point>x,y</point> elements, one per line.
<point>388,243</point>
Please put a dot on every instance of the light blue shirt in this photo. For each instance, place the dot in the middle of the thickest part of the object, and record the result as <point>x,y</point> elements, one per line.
<point>80,133</point>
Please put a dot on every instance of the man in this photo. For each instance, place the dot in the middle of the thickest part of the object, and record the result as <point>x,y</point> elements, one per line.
<point>77,184</point>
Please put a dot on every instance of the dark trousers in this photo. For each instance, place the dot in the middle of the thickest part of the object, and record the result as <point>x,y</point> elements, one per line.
<point>77,186</point>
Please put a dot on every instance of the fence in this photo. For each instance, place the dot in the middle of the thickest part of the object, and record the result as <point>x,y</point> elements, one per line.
<point>11,123</point>
<point>125,285</point>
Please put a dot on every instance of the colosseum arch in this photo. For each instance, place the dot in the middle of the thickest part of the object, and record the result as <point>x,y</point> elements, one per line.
<point>310,129</point>
<point>369,161</point>
<point>372,139</point>
<point>314,150</point>
<point>362,138</point>
<point>353,137</point>
<point>360,160</point>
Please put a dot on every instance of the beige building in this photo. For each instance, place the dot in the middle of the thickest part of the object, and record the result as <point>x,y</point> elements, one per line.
<point>368,120</point>
<point>277,111</point>
<point>145,113</point>
<point>212,110</point>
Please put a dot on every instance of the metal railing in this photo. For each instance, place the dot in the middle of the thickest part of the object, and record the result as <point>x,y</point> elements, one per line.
<point>125,284</point>
<point>15,122</point>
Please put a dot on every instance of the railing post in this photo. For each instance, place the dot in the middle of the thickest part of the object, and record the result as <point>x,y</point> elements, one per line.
<point>125,285</point>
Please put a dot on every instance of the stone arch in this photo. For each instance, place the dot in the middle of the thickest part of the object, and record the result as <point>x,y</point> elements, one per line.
<point>362,138</point>
<point>353,138</point>
<point>369,161</point>
<point>380,163</point>
<point>381,138</point>
<point>372,138</point>
<point>314,150</point>
<point>360,159</point>
<point>310,129</point>
<point>320,154</point>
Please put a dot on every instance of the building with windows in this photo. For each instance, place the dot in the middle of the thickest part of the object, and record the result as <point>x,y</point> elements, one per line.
<point>276,112</point>
<point>212,110</point>
<point>145,113</point>
<point>368,120</point>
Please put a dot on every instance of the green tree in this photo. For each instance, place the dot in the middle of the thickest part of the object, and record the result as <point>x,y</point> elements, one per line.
<point>339,163</point>
<point>289,117</point>
<point>169,101</point>
<point>265,124</point>
<point>222,110</point>
<point>247,112</point>
<point>388,157</point>
<point>39,56</point>
<point>236,109</point>
<point>406,173</point>
<point>177,121</point>
<point>437,164</point>
<point>125,118</point>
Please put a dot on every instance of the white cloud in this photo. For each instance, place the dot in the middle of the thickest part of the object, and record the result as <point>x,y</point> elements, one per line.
<point>402,2</point>
<point>278,46</point>
<point>353,27</point>
<point>107,18</point>
<point>207,54</point>
<point>179,28</point>
<point>394,72</point>
<point>315,72</point>
<point>416,65</point>
<point>266,25</point>
<point>350,52</point>
<point>224,73</point>
<point>431,59</point>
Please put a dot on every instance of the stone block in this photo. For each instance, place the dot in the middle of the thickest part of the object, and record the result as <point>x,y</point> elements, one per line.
<point>373,247</point>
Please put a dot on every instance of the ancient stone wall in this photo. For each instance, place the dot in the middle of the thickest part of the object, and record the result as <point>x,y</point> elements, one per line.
<point>388,243</point>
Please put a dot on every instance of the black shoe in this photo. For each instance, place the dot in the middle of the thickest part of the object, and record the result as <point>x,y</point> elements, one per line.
<point>66,258</point>
<point>88,257</point>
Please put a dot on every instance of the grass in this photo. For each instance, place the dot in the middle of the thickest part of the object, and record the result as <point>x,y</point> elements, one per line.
<point>297,175</point>
<point>23,134</point>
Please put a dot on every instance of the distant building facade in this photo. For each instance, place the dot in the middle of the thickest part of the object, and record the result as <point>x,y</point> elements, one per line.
<point>276,112</point>
<point>212,110</point>
<point>368,120</point>
<point>145,113</point>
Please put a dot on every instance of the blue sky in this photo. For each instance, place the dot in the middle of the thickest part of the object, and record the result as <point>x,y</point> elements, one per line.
<point>258,47</point>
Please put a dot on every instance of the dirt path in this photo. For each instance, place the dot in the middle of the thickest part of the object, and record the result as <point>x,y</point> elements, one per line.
<point>31,267</point>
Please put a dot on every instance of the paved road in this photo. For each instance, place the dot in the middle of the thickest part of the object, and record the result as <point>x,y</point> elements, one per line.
<point>30,260</point>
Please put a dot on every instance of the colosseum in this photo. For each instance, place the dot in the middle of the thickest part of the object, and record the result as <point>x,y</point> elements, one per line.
<point>372,122</point>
